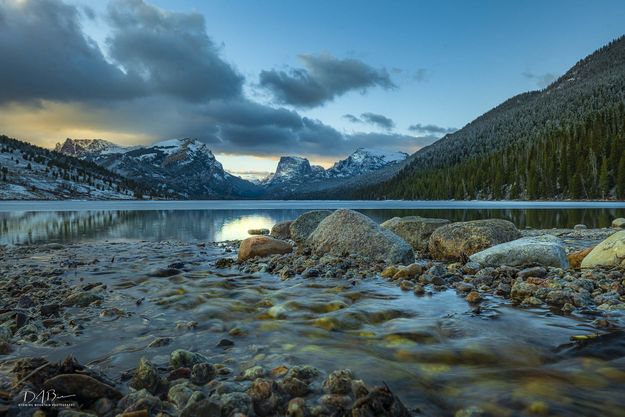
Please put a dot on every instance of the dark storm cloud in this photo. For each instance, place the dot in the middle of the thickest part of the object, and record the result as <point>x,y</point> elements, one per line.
<point>541,80</point>
<point>324,78</point>
<point>378,120</point>
<point>171,51</point>
<point>430,129</point>
<point>45,55</point>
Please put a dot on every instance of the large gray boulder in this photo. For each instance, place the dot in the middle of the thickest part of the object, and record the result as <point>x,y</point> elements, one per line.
<point>544,250</point>
<point>304,225</point>
<point>414,229</point>
<point>610,252</point>
<point>281,230</point>
<point>455,241</point>
<point>350,232</point>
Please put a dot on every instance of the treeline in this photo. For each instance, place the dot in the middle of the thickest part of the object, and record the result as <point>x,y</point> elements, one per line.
<point>582,161</point>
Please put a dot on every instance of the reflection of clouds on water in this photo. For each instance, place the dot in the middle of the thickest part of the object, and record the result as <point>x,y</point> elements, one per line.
<point>226,224</point>
<point>237,228</point>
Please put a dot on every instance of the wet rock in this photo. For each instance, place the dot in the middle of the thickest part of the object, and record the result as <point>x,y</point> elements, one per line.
<point>297,408</point>
<point>202,373</point>
<point>73,413</point>
<point>580,227</point>
<point>256,232</point>
<point>389,271</point>
<point>179,395</point>
<point>414,229</point>
<point>146,376</point>
<point>104,407</point>
<point>5,347</point>
<point>81,299</point>
<point>225,343</point>
<point>618,223</point>
<point>281,230</point>
<point>49,309</point>
<point>349,232</point>
<point>181,358</point>
<point>262,246</point>
<point>164,272</point>
<point>544,250</point>
<point>408,272</point>
<point>294,387</point>
<point>179,373</point>
<point>535,271</point>
<point>610,252</point>
<point>575,258</point>
<point>359,388</point>
<point>301,228</point>
<point>380,402</point>
<point>83,386</point>
<point>456,241</point>
<point>160,341</point>
<point>336,401</point>
<point>202,408</point>
<point>304,373</point>
<point>254,372</point>
<point>235,402</point>
<point>339,382</point>
<point>473,297</point>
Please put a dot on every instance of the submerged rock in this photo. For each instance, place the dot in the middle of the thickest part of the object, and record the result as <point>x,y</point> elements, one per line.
<point>301,228</point>
<point>262,246</point>
<point>610,252</point>
<point>544,250</point>
<point>456,241</point>
<point>380,402</point>
<point>281,230</point>
<point>146,376</point>
<point>349,232</point>
<point>181,358</point>
<point>414,229</point>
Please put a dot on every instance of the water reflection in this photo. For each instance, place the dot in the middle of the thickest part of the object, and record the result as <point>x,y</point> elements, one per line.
<point>209,225</point>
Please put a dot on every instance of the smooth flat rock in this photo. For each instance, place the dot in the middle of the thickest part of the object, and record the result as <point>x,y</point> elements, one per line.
<point>544,250</point>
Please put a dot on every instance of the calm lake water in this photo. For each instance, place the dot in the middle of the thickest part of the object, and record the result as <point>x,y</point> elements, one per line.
<point>82,221</point>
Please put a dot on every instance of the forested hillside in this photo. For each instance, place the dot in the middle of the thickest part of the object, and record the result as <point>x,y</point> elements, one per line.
<point>565,141</point>
<point>31,172</point>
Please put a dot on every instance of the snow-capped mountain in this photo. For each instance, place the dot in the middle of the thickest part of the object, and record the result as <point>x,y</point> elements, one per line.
<point>294,169</point>
<point>295,175</point>
<point>182,168</point>
<point>364,160</point>
<point>89,148</point>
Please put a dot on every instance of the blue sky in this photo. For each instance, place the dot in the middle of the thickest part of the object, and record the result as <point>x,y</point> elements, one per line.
<point>448,62</point>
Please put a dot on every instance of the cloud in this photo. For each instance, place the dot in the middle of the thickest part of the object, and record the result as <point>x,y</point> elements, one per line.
<point>324,78</point>
<point>45,55</point>
<point>378,120</point>
<point>351,118</point>
<point>171,51</point>
<point>430,129</point>
<point>541,80</point>
<point>166,79</point>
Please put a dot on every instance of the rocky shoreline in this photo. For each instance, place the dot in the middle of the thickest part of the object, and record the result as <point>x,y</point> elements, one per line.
<point>53,295</point>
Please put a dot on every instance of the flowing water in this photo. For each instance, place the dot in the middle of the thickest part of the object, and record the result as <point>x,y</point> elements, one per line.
<point>435,352</point>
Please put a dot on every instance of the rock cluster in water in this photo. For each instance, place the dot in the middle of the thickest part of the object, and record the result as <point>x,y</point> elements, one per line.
<point>476,258</point>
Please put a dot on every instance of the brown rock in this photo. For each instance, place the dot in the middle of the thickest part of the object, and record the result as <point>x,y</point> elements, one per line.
<point>81,385</point>
<point>262,246</point>
<point>281,230</point>
<point>576,258</point>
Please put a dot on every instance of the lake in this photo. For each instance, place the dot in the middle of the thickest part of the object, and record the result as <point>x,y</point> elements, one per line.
<point>82,221</point>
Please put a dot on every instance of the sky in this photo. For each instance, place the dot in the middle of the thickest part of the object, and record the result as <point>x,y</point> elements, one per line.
<point>259,79</point>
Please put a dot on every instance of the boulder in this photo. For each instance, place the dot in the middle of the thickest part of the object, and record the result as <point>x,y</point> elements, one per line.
<point>255,232</point>
<point>281,230</point>
<point>618,223</point>
<point>544,250</point>
<point>83,386</point>
<point>262,246</point>
<point>304,225</point>
<point>349,232</point>
<point>576,258</point>
<point>414,229</point>
<point>610,252</point>
<point>455,241</point>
